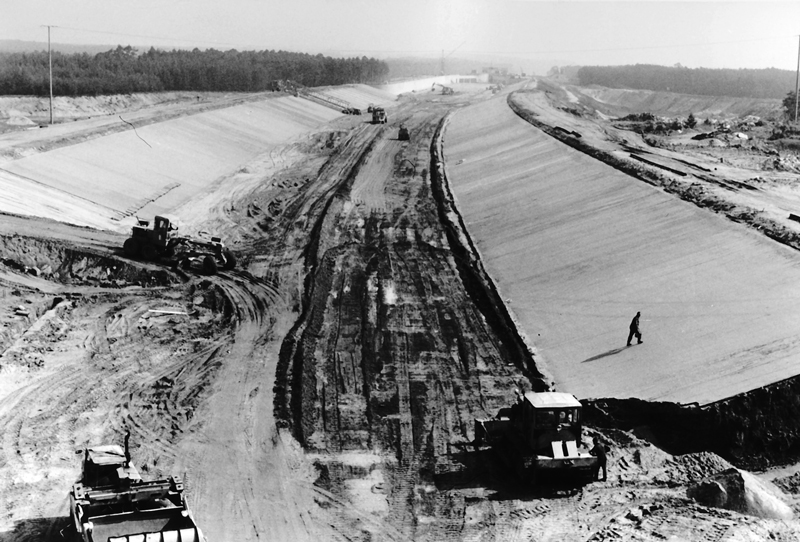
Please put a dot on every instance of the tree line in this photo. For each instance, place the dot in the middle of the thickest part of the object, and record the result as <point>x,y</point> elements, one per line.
<point>123,70</point>
<point>769,83</point>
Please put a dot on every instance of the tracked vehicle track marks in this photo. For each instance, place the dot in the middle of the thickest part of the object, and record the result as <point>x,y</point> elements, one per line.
<point>383,296</point>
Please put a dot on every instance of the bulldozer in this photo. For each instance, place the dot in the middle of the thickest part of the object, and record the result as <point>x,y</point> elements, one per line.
<point>539,438</point>
<point>160,242</point>
<point>403,134</point>
<point>111,502</point>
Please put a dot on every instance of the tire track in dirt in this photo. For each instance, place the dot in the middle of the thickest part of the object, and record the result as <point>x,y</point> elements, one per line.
<point>40,419</point>
<point>386,295</point>
<point>243,460</point>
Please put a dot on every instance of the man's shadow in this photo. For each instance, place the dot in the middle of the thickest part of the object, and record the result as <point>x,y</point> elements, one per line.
<point>605,354</point>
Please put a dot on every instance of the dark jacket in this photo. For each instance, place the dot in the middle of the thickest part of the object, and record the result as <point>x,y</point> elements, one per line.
<point>600,451</point>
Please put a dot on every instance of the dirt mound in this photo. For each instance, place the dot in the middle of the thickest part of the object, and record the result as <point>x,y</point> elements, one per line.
<point>740,491</point>
<point>58,262</point>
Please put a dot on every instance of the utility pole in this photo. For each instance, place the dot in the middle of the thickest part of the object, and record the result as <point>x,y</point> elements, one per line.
<point>50,63</point>
<point>797,81</point>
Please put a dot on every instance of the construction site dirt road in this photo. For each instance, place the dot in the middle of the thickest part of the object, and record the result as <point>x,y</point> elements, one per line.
<point>325,390</point>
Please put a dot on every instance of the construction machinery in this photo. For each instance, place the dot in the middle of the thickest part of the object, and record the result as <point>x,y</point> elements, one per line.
<point>403,134</point>
<point>111,502</point>
<point>160,242</point>
<point>379,116</point>
<point>539,437</point>
<point>447,91</point>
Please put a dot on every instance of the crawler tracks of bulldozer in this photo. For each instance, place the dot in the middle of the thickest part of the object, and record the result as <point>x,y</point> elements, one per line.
<point>390,360</point>
<point>251,480</point>
<point>95,363</point>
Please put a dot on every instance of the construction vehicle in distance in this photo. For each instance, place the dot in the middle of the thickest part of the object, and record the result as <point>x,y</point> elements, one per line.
<point>379,116</point>
<point>111,502</point>
<point>160,242</point>
<point>539,437</point>
<point>402,134</point>
<point>447,91</point>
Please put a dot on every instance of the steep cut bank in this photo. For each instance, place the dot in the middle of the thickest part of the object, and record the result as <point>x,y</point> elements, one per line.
<point>753,430</point>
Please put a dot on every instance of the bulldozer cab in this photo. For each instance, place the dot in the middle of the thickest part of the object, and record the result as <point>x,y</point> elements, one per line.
<point>549,417</point>
<point>162,224</point>
<point>106,466</point>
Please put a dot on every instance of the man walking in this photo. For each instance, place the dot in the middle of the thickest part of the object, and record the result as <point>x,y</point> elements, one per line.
<point>634,330</point>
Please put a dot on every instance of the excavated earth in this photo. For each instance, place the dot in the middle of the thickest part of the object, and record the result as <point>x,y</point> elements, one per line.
<point>326,389</point>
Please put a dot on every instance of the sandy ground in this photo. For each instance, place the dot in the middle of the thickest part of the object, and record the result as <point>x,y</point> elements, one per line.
<point>326,388</point>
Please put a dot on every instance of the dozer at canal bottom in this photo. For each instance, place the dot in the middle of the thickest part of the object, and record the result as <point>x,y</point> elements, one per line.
<point>539,437</point>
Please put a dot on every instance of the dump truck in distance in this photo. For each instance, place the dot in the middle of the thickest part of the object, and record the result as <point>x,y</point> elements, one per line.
<point>540,438</point>
<point>379,116</point>
<point>111,502</point>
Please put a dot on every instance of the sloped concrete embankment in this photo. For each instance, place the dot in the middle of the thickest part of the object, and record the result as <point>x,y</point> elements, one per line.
<point>754,430</point>
<point>477,281</point>
<point>693,193</point>
<point>400,87</point>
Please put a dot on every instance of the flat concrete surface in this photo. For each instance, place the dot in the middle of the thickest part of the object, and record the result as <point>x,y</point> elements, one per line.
<point>577,248</point>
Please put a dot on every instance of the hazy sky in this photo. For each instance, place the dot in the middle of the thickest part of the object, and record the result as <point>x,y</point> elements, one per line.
<point>716,34</point>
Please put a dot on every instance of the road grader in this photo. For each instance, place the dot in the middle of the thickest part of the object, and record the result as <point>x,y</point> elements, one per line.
<point>161,243</point>
<point>539,438</point>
